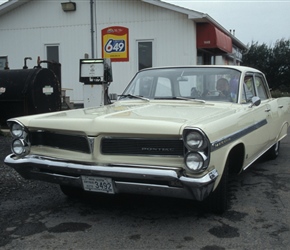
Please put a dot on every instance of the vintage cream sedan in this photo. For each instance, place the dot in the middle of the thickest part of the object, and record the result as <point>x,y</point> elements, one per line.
<point>175,132</point>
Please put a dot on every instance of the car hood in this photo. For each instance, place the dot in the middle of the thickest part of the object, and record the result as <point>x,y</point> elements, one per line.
<point>131,118</point>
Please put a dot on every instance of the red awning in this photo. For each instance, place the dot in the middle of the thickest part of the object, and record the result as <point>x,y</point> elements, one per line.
<point>211,38</point>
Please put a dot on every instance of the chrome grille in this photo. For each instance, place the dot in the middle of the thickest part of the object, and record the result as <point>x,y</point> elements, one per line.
<point>136,146</point>
<point>62,141</point>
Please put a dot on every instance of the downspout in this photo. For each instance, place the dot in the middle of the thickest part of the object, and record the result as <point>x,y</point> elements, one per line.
<point>92,28</point>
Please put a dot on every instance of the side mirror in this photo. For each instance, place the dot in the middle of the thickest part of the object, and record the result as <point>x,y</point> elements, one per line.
<point>256,101</point>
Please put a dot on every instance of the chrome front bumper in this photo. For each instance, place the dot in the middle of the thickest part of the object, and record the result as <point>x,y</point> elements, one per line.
<point>127,179</point>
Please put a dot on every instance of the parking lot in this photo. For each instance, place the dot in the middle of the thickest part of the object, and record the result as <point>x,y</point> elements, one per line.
<point>36,215</point>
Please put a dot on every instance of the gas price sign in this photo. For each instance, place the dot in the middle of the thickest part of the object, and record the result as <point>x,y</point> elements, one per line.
<point>115,43</point>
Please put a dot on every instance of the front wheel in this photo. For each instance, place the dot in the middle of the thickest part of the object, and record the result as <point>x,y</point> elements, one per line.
<point>218,200</point>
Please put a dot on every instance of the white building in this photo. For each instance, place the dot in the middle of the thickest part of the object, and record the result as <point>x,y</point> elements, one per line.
<point>144,33</point>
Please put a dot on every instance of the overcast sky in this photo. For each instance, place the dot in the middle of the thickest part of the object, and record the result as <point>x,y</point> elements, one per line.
<point>261,21</point>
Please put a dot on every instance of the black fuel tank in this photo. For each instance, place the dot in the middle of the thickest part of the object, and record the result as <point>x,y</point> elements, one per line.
<point>28,91</point>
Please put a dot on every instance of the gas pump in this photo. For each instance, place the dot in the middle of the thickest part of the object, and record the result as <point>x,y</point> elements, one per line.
<point>96,74</point>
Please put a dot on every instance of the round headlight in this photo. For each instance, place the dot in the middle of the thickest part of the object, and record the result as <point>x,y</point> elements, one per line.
<point>17,130</point>
<point>18,147</point>
<point>195,162</point>
<point>195,140</point>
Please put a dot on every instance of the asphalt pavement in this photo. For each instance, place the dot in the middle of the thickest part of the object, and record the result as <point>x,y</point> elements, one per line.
<point>36,215</point>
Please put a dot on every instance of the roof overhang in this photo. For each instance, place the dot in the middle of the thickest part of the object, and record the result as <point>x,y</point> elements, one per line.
<point>198,17</point>
<point>192,14</point>
<point>11,5</point>
<point>212,39</point>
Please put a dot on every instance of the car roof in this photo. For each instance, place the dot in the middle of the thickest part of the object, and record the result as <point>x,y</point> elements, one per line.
<point>239,68</point>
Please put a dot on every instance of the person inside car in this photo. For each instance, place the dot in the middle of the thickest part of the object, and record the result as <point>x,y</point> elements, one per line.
<point>222,87</point>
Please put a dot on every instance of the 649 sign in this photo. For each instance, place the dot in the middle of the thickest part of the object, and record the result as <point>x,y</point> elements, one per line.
<point>115,46</point>
<point>115,43</point>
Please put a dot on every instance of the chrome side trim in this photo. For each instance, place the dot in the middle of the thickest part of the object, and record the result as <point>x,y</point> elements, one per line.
<point>234,136</point>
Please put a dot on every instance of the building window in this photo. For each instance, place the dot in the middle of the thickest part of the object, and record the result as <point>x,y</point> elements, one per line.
<point>52,55</point>
<point>3,61</point>
<point>145,54</point>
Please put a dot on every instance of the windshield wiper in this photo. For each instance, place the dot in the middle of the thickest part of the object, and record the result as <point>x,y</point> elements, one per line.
<point>136,96</point>
<point>189,99</point>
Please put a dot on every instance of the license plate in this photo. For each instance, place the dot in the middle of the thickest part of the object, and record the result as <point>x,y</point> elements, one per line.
<point>98,184</point>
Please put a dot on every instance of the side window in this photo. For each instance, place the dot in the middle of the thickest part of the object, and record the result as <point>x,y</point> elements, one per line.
<point>260,86</point>
<point>249,89</point>
<point>163,87</point>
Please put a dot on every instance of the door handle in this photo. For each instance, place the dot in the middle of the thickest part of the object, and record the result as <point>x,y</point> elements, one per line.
<point>281,106</point>
<point>267,110</point>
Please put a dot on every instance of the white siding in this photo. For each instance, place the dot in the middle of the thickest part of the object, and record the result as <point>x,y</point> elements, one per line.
<point>25,31</point>
<point>173,35</point>
<point>28,29</point>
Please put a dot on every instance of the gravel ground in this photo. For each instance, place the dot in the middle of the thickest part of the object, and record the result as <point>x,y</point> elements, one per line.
<point>10,180</point>
<point>19,198</point>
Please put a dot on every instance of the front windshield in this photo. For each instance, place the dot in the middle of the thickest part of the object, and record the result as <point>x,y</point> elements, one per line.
<point>208,84</point>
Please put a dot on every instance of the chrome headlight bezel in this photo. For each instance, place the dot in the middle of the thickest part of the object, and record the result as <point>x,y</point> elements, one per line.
<point>194,140</point>
<point>17,129</point>
<point>197,146</point>
<point>20,145</point>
